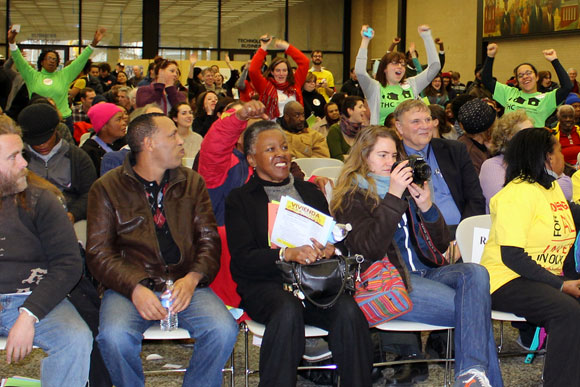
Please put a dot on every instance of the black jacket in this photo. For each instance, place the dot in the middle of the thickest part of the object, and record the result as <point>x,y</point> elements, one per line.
<point>460,176</point>
<point>253,261</point>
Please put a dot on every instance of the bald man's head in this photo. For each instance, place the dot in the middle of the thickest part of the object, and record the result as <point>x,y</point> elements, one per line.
<point>294,117</point>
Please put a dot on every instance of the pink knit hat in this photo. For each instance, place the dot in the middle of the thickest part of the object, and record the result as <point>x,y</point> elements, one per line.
<point>101,113</point>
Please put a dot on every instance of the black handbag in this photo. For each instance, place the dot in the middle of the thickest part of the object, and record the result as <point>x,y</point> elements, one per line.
<point>321,282</point>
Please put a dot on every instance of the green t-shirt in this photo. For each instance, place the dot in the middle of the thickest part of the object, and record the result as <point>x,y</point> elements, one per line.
<point>539,106</point>
<point>53,85</point>
<point>391,97</point>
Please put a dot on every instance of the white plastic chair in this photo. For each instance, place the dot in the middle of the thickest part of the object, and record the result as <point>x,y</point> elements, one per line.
<point>471,252</point>
<point>187,162</point>
<point>330,172</point>
<point>81,231</point>
<point>310,164</point>
<point>410,326</point>
<point>258,329</point>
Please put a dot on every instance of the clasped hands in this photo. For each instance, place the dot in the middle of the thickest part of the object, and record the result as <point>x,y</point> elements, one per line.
<point>308,254</point>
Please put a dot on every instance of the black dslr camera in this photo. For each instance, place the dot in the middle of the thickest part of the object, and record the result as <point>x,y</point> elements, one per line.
<point>421,170</point>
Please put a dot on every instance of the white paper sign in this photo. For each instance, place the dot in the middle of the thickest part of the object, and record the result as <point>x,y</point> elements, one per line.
<point>480,236</point>
<point>297,222</point>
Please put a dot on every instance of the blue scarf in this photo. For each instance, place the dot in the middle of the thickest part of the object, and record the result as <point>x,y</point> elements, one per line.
<point>382,183</point>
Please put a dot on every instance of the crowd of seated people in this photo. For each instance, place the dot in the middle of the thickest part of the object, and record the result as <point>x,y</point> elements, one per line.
<point>111,142</point>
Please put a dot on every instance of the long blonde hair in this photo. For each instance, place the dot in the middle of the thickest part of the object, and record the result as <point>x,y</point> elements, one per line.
<point>356,164</point>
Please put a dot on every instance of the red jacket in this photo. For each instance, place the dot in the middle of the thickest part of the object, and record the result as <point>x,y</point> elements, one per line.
<point>260,83</point>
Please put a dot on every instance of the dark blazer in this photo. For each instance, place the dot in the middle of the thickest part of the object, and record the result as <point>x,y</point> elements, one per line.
<point>253,261</point>
<point>460,176</point>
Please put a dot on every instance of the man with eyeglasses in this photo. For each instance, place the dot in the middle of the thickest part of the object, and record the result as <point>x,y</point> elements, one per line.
<point>324,78</point>
<point>303,142</point>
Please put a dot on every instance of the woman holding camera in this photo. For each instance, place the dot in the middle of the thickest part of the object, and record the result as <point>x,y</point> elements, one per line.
<point>259,280</point>
<point>393,216</point>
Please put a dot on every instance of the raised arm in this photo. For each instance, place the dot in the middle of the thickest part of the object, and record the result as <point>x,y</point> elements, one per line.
<point>258,79</point>
<point>487,71</point>
<point>219,143</point>
<point>21,64</point>
<point>565,82</point>
<point>423,79</point>
<point>241,83</point>
<point>301,60</point>
<point>367,83</point>
<point>72,70</point>
<point>394,43</point>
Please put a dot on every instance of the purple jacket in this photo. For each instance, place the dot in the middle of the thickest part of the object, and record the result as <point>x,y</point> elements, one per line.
<point>153,93</point>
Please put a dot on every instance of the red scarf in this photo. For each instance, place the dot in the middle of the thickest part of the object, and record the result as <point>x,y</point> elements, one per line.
<point>270,96</point>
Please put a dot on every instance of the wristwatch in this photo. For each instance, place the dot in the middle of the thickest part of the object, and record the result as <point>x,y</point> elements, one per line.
<point>281,253</point>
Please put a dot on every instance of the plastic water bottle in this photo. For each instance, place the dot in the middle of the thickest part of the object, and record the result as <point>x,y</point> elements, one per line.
<point>169,323</point>
<point>339,232</point>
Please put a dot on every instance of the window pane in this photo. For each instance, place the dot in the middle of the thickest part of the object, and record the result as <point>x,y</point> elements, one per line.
<point>322,30</point>
<point>3,27</point>
<point>242,27</point>
<point>44,22</point>
<point>122,20</point>
<point>188,23</point>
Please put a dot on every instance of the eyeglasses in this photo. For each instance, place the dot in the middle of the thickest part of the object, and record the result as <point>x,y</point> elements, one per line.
<point>528,73</point>
<point>397,63</point>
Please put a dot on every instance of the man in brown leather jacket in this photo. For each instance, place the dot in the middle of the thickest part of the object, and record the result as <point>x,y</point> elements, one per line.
<point>149,221</point>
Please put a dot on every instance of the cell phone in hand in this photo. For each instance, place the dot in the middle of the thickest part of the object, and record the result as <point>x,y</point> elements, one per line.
<point>266,39</point>
<point>16,28</point>
<point>368,32</point>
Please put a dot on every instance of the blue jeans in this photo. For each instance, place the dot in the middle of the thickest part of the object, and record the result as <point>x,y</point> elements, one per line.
<point>458,295</point>
<point>206,318</point>
<point>62,334</point>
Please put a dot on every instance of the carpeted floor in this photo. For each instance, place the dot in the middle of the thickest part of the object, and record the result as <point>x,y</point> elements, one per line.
<point>515,372</point>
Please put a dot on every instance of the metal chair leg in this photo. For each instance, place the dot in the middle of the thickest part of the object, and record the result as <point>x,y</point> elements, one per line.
<point>500,346</point>
<point>448,354</point>
<point>246,356</point>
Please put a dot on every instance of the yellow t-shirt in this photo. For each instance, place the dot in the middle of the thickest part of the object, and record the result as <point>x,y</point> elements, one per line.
<point>531,217</point>
<point>324,75</point>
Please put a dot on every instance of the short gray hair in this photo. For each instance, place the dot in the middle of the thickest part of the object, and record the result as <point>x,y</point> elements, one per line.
<point>253,131</point>
<point>563,108</point>
<point>410,104</point>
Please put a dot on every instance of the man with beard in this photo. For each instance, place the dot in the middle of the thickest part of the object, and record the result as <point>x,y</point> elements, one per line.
<point>39,265</point>
<point>303,142</point>
<point>324,78</point>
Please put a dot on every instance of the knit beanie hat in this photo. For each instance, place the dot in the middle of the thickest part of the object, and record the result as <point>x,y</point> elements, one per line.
<point>101,113</point>
<point>476,116</point>
<point>98,99</point>
<point>38,122</point>
<point>572,98</point>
